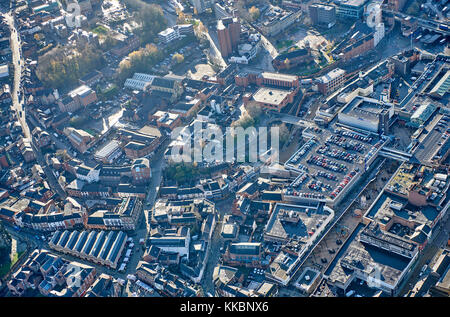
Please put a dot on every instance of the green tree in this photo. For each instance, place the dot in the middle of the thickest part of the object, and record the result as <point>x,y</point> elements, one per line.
<point>149,16</point>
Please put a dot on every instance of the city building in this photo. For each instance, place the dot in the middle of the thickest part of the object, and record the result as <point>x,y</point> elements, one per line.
<point>200,6</point>
<point>292,59</point>
<point>249,254</point>
<point>139,81</point>
<point>175,33</point>
<point>101,247</point>
<point>172,240</point>
<point>109,153</point>
<point>332,81</point>
<point>322,15</point>
<point>83,95</point>
<point>277,21</point>
<point>166,119</point>
<point>124,217</point>
<point>270,98</point>
<point>52,276</point>
<point>422,114</point>
<point>80,139</point>
<point>350,9</point>
<point>140,143</point>
<point>367,114</point>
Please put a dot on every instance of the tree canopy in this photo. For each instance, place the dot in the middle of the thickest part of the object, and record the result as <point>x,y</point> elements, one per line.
<point>58,70</point>
<point>141,60</point>
<point>151,18</point>
<point>254,13</point>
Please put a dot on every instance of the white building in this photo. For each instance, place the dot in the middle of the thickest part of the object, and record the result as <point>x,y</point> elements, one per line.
<point>88,174</point>
<point>109,152</point>
<point>174,33</point>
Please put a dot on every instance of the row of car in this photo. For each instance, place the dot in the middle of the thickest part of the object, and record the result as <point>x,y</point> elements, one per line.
<point>303,150</point>
<point>343,183</point>
<point>337,154</point>
<point>319,186</point>
<point>290,191</point>
<point>354,135</point>
<point>299,180</point>
<point>345,143</point>
<point>326,175</point>
<point>326,163</point>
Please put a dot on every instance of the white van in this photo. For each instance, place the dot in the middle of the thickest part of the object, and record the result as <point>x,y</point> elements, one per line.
<point>350,293</point>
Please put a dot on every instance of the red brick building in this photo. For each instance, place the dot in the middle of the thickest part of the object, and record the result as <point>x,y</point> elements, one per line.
<point>228,32</point>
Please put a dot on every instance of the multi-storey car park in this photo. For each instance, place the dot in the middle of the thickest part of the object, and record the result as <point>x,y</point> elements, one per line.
<point>330,162</point>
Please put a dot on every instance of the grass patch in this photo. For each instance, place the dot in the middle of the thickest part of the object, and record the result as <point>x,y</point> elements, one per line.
<point>284,43</point>
<point>100,29</point>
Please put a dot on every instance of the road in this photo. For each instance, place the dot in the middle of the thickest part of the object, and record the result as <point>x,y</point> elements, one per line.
<point>217,242</point>
<point>17,103</point>
<point>215,51</point>
<point>436,10</point>
<point>268,46</point>
<point>287,118</point>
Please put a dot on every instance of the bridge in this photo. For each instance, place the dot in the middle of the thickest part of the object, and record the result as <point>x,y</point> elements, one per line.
<point>291,119</point>
<point>425,23</point>
<point>395,154</point>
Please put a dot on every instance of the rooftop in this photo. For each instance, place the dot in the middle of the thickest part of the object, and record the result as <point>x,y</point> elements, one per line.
<point>270,96</point>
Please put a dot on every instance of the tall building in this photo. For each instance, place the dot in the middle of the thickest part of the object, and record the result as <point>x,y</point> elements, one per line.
<point>200,6</point>
<point>228,32</point>
<point>322,15</point>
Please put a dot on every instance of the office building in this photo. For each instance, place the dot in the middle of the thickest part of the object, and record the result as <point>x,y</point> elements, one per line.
<point>322,15</point>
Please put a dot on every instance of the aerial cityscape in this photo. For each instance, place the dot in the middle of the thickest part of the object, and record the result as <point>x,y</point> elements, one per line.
<point>224,148</point>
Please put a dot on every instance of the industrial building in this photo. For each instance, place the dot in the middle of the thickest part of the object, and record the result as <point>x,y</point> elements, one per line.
<point>101,247</point>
